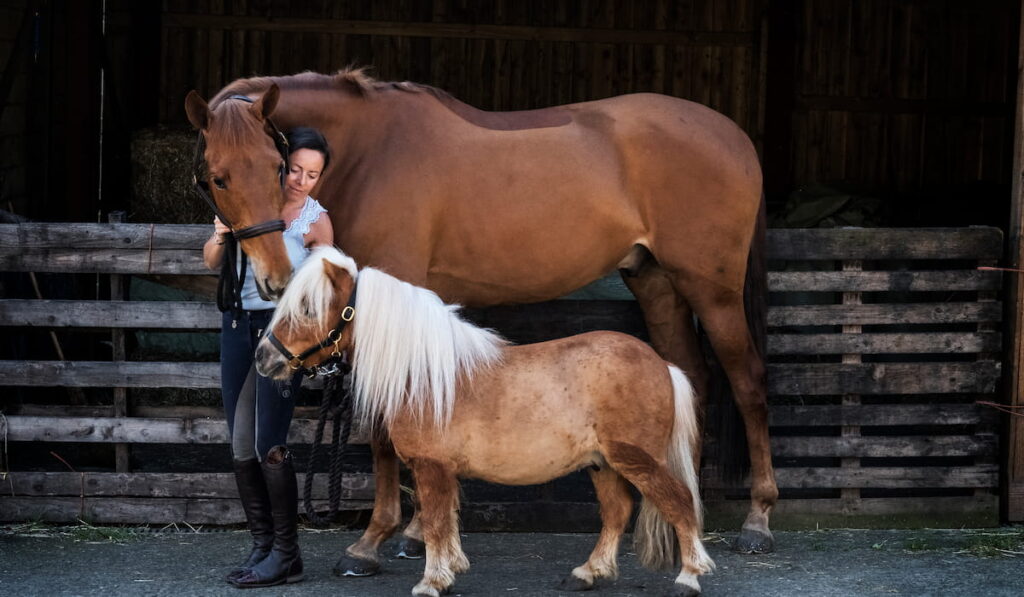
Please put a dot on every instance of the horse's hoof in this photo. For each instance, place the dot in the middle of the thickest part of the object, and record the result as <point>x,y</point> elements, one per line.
<point>411,549</point>
<point>572,583</point>
<point>751,541</point>
<point>681,590</point>
<point>352,566</point>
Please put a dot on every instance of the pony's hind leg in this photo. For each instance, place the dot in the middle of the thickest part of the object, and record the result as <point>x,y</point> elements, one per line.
<point>616,506</point>
<point>361,558</point>
<point>676,505</point>
<point>412,546</point>
<point>438,491</point>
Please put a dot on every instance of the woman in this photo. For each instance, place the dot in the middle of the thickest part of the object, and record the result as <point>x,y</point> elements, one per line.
<point>258,410</point>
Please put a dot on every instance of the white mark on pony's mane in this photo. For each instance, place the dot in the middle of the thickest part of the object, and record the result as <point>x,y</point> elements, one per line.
<point>411,349</point>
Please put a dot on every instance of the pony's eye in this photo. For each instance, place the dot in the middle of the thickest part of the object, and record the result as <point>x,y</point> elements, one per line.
<point>219,183</point>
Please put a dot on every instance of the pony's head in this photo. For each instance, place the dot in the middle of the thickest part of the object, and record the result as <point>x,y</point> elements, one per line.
<point>244,169</point>
<point>409,349</point>
<point>311,320</point>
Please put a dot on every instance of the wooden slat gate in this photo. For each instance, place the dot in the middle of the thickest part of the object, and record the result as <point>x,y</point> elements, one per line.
<point>881,341</point>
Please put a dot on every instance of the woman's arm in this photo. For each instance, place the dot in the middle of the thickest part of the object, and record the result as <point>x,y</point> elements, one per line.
<point>321,232</point>
<point>213,249</point>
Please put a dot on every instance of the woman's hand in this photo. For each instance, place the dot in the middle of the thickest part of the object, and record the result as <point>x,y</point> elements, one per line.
<point>220,229</point>
<point>213,249</point>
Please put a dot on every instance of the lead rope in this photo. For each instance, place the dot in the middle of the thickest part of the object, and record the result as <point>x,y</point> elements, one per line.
<point>336,404</point>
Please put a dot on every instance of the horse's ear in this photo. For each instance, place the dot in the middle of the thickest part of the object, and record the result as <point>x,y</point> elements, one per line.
<point>335,273</point>
<point>198,111</point>
<point>264,106</point>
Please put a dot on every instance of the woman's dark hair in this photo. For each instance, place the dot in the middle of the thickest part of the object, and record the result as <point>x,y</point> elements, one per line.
<point>304,137</point>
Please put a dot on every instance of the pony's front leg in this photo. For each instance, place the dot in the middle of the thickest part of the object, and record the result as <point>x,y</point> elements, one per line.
<point>361,558</point>
<point>438,491</point>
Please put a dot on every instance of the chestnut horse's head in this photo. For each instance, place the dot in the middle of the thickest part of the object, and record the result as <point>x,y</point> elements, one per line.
<point>244,174</point>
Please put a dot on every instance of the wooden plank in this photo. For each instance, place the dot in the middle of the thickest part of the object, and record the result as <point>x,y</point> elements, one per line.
<point>874,281</point>
<point>110,314</point>
<point>106,261</point>
<point>930,506</point>
<point>354,486</point>
<point>858,446</point>
<point>440,30</point>
<point>82,235</point>
<point>101,374</point>
<point>885,243</point>
<point>922,343</point>
<point>780,415</point>
<point>864,477</point>
<point>881,314</point>
<point>108,510</point>
<point>139,430</point>
<point>882,378</point>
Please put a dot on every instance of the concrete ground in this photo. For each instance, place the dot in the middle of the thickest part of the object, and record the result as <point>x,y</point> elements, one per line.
<point>49,561</point>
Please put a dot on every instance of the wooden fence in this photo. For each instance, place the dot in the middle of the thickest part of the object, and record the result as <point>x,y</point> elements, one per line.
<point>881,341</point>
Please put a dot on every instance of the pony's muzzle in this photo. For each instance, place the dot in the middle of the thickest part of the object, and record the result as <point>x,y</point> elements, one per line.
<point>271,363</point>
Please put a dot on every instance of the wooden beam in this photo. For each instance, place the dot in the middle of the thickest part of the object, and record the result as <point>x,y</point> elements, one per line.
<point>882,378</point>
<point>884,313</point>
<point>179,315</point>
<point>1012,507</point>
<point>979,242</point>
<point>909,343</point>
<point>458,31</point>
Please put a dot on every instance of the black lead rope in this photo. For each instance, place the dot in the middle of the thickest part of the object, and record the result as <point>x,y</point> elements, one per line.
<point>337,406</point>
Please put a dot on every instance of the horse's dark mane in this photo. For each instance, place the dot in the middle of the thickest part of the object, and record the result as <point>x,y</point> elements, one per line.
<point>351,79</point>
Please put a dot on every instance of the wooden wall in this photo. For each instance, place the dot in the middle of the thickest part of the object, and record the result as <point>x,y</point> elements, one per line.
<point>500,55</point>
<point>899,97</point>
<point>13,89</point>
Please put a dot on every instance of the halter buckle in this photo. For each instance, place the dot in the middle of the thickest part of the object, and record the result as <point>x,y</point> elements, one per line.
<point>295,363</point>
<point>348,313</point>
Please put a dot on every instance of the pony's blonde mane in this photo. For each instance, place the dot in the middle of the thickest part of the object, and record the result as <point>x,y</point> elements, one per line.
<point>411,349</point>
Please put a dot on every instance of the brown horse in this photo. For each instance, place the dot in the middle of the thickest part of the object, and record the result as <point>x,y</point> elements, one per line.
<point>487,208</point>
<point>458,402</point>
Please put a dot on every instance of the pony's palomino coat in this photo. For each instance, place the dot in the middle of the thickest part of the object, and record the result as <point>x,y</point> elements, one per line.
<point>457,401</point>
<point>490,208</point>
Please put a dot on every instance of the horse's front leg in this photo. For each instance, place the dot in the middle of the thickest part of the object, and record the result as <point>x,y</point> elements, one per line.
<point>361,558</point>
<point>438,491</point>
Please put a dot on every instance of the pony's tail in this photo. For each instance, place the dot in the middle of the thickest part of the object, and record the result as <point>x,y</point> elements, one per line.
<point>655,539</point>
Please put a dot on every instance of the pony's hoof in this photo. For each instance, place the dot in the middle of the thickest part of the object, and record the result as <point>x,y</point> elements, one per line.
<point>573,583</point>
<point>352,566</point>
<point>751,541</point>
<point>681,590</point>
<point>422,590</point>
<point>411,549</point>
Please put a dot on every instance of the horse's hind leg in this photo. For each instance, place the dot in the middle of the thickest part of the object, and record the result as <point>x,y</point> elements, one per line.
<point>412,547</point>
<point>722,315</point>
<point>670,325</point>
<point>361,558</point>
<point>616,506</point>
<point>438,491</point>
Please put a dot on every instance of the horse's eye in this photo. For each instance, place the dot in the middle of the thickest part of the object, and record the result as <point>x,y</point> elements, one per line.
<point>219,183</point>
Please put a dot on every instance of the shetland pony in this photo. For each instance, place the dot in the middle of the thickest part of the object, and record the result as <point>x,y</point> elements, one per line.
<point>458,401</point>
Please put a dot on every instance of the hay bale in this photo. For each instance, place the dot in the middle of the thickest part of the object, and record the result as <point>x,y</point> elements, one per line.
<point>162,189</point>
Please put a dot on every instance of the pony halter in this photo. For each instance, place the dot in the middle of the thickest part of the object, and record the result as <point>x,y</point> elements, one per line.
<point>332,365</point>
<point>203,187</point>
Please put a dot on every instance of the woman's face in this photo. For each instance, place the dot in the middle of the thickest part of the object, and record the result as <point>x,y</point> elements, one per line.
<point>304,169</point>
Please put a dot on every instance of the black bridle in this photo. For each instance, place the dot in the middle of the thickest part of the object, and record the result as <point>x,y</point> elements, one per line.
<point>203,186</point>
<point>232,277</point>
<point>330,367</point>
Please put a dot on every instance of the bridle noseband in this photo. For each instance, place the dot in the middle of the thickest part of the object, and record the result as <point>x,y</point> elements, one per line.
<point>203,187</point>
<point>330,366</point>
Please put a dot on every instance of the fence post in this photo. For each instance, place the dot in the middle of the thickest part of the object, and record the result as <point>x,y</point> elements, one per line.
<point>122,456</point>
<point>851,495</point>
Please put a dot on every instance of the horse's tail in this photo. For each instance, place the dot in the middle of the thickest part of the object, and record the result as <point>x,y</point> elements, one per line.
<point>655,540</point>
<point>733,453</point>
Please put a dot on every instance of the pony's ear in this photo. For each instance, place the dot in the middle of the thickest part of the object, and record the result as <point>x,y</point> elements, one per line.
<point>198,111</point>
<point>264,106</point>
<point>337,275</point>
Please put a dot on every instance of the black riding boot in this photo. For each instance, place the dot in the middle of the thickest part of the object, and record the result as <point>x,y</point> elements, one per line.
<point>284,564</point>
<point>256,504</point>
